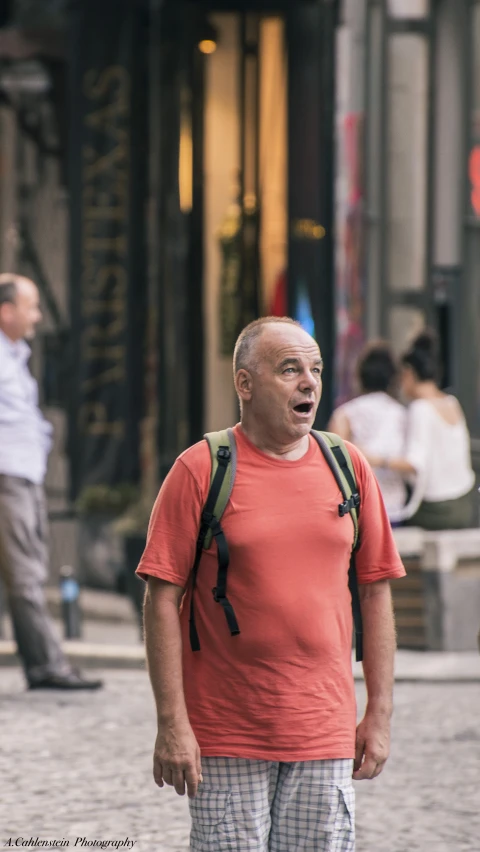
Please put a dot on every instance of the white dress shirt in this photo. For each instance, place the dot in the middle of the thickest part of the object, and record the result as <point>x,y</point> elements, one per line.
<point>25,434</point>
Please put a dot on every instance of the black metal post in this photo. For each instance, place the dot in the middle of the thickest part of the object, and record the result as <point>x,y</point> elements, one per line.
<point>70,600</point>
<point>311,79</point>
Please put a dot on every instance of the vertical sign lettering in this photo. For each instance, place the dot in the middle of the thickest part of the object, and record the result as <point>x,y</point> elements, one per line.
<point>107,272</point>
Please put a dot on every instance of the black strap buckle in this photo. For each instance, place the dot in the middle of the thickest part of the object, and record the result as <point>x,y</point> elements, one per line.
<point>353,502</point>
<point>209,520</point>
<point>218,597</point>
<point>224,454</point>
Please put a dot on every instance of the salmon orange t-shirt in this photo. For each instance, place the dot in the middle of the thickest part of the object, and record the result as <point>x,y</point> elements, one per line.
<point>282,689</point>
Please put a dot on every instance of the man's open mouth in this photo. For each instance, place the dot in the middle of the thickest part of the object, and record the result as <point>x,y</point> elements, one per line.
<point>304,407</point>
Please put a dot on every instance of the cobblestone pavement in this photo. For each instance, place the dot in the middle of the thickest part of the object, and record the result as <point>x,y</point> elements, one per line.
<point>79,765</point>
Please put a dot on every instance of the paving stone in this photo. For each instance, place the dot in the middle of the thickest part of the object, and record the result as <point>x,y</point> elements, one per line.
<point>80,765</point>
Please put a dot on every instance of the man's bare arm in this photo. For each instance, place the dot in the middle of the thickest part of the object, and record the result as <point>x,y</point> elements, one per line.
<point>177,755</point>
<point>379,643</point>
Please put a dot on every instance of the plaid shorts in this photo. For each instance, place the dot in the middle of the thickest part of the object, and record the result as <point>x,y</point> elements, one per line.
<point>264,806</point>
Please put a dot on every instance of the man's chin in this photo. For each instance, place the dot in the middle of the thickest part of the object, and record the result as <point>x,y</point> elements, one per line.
<point>302,429</point>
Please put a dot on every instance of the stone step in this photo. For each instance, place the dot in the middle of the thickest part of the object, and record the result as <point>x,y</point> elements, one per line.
<point>408,601</point>
<point>414,582</point>
<point>96,605</point>
<point>406,620</point>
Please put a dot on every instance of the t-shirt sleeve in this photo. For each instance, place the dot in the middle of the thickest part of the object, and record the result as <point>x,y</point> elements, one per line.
<point>377,557</point>
<point>175,520</point>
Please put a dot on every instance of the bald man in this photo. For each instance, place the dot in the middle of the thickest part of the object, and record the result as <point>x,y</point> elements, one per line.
<point>25,440</point>
<point>260,727</point>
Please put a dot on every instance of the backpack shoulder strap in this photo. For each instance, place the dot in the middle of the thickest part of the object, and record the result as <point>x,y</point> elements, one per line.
<point>222,447</point>
<point>224,461</point>
<point>340,463</point>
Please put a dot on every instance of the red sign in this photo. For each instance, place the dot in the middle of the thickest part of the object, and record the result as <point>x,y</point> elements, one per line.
<point>474,175</point>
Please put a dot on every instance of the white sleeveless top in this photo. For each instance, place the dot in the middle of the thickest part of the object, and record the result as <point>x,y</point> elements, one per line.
<point>440,453</point>
<point>378,427</point>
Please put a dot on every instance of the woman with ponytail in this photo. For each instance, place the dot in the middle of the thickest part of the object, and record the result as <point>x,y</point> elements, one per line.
<point>437,458</point>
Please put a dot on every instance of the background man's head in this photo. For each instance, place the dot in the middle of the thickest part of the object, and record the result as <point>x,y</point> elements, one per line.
<point>277,371</point>
<point>19,306</point>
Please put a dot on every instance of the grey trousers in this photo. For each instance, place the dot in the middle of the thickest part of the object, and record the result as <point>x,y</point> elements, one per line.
<point>23,570</point>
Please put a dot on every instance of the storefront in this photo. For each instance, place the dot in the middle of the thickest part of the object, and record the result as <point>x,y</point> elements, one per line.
<point>242,115</point>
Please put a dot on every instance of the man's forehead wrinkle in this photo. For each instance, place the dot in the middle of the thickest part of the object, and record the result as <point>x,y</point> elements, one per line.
<point>277,342</point>
<point>283,353</point>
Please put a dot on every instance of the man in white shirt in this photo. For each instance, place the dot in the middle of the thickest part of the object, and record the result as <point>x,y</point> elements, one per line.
<point>25,441</point>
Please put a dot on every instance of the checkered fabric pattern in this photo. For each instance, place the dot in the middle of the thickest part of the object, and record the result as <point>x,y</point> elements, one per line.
<point>265,806</point>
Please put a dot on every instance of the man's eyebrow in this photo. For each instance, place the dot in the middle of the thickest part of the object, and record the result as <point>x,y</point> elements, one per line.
<point>289,361</point>
<point>286,361</point>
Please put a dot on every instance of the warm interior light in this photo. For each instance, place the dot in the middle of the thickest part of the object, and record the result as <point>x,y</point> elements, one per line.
<point>207,45</point>
<point>185,158</point>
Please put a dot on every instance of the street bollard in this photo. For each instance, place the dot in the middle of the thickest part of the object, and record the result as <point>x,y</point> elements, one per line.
<point>69,595</point>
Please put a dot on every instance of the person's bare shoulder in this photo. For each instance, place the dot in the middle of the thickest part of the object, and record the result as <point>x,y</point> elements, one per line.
<point>362,468</point>
<point>339,423</point>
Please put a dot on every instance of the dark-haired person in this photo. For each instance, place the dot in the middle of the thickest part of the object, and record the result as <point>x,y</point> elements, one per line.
<point>375,421</point>
<point>25,439</point>
<point>438,445</point>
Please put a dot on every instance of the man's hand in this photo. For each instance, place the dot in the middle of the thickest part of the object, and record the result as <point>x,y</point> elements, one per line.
<point>372,745</point>
<point>176,759</point>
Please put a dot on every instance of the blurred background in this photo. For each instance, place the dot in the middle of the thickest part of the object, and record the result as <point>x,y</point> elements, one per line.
<point>171,170</point>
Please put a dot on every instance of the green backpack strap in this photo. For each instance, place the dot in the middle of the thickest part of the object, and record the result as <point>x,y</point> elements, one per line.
<point>346,478</point>
<point>224,462</point>
<point>225,439</point>
<point>340,463</point>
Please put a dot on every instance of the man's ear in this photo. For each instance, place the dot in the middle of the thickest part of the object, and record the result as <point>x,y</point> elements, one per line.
<point>243,385</point>
<point>6,312</point>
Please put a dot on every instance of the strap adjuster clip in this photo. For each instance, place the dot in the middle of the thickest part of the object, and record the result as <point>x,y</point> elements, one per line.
<point>353,502</point>
<point>216,597</point>
<point>224,454</point>
<point>207,518</point>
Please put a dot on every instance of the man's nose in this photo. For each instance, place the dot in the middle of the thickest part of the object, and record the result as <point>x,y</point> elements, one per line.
<point>309,381</point>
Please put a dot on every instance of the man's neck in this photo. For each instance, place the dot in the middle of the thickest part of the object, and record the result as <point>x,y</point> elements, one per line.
<point>271,446</point>
<point>6,335</point>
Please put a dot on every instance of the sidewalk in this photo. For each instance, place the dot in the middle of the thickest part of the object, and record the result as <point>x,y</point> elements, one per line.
<point>111,639</point>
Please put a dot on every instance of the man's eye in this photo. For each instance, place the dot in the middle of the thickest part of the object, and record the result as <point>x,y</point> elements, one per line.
<point>289,370</point>
<point>317,370</point>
